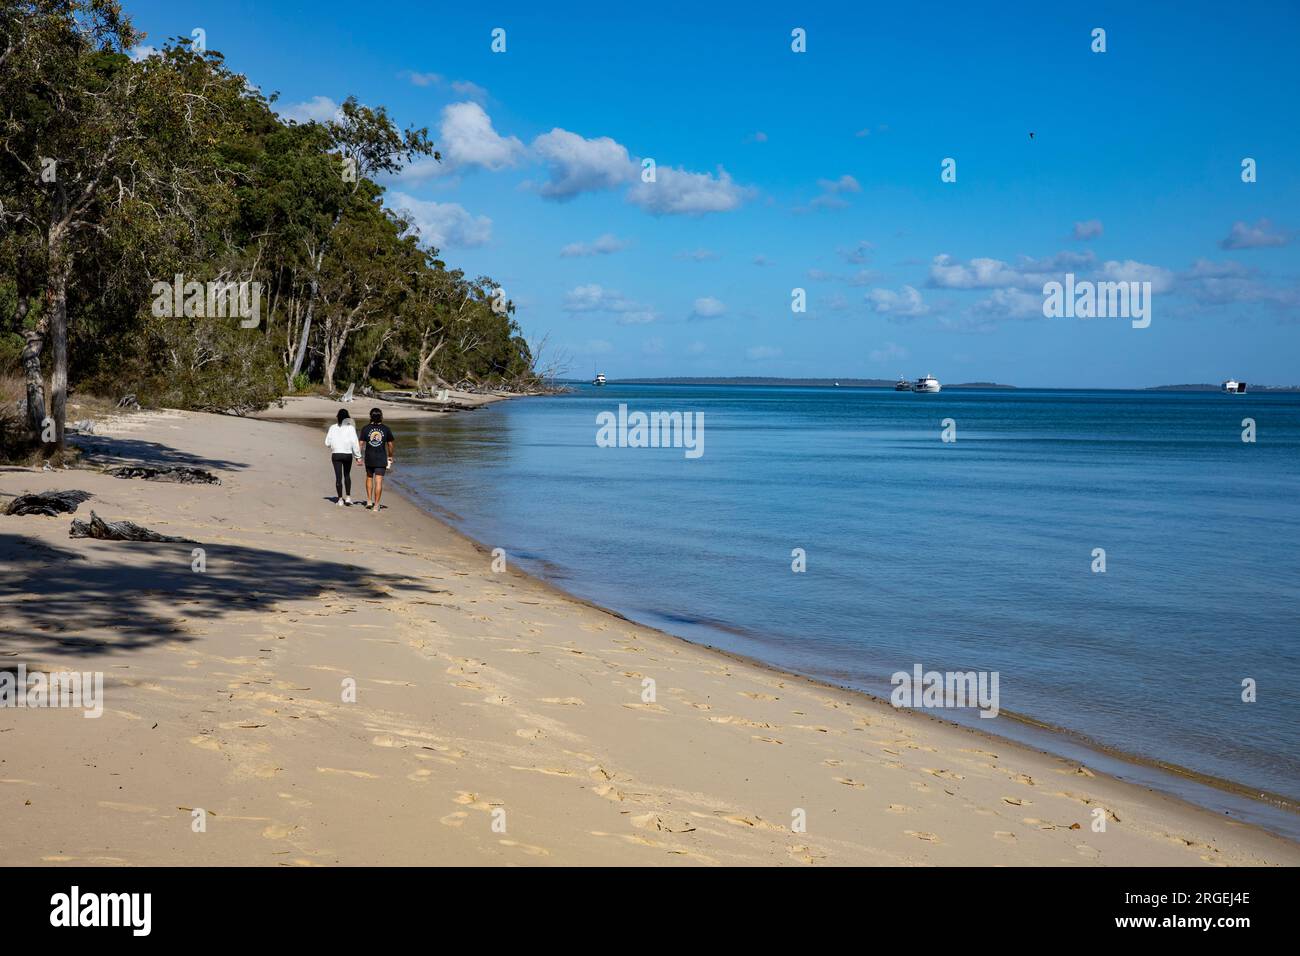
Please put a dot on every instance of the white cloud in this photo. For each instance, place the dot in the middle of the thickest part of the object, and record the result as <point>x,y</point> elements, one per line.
<point>142,51</point>
<point>1259,236</point>
<point>468,139</point>
<point>1162,280</point>
<point>1010,304</point>
<point>1088,229</point>
<point>578,165</point>
<point>602,246</point>
<point>444,225</point>
<point>466,88</point>
<point>832,193</point>
<point>460,87</point>
<point>596,298</point>
<point>697,255</point>
<point>906,303</point>
<point>696,348</point>
<point>984,273</point>
<point>679,192</point>
<point>760,353</point>
<point>320,109</point>
<point>859,253</point>
<point>707,307</point>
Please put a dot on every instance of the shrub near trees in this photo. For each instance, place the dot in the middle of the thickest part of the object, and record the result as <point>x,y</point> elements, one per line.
<point>119,176</point>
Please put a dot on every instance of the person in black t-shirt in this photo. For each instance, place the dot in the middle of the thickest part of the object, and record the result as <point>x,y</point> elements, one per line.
<point>377,442</point>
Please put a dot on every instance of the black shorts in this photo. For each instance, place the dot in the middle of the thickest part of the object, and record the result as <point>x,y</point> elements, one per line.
<point>372,470</point>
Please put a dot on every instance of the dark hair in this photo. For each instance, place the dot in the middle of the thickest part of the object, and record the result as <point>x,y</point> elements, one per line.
<point>376,415</point>
<point>343,415</point>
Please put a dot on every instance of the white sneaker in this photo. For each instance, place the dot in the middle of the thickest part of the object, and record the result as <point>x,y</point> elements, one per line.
<point>347,501</point>
<point>340,502</point>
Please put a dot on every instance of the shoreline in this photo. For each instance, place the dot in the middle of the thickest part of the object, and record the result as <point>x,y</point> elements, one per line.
<point>1273,812</point>
<point>1171,779</point>
<point>479,693</point>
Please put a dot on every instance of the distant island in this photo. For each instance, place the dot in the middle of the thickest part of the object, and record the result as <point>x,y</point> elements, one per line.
<point>811,382</point>
<point>1207,387</point>
<point>889,383</point>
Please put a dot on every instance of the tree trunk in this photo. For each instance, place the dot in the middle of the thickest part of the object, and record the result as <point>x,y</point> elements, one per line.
<point>426,361</point>
<point>306,331</point>
<point>58,301</point>
<point>331,361</point>
<point>33,345</point>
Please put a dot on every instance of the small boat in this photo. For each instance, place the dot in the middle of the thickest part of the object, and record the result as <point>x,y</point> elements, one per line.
<point>1233,387</point>
<point>599,379</point>
<point>902,385</point>
<point>927,384</point>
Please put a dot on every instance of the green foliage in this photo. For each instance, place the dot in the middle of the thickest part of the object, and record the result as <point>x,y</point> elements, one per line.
<point>176,165</point>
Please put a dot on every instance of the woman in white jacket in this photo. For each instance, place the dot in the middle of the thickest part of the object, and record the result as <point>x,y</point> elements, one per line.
<point>345,449</point>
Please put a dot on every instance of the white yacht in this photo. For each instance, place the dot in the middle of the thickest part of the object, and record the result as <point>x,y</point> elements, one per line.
<point>927,384</point>
<point>902,385</point>
<point>1233,387</point>
<point>599,379</point>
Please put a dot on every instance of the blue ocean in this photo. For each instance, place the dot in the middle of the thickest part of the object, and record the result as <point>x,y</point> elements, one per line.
<point>982,552</point>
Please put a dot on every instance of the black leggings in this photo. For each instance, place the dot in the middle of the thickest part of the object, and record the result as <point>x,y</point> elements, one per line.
<point>342,473</point>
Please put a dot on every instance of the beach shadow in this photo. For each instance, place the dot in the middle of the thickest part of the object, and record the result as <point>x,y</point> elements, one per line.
<point>108,450</point>
<point>51,597</point>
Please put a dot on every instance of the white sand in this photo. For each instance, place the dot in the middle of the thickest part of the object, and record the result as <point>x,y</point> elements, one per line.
<point>482,698</point>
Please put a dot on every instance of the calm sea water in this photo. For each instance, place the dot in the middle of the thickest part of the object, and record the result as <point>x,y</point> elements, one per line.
<point>971,555</point>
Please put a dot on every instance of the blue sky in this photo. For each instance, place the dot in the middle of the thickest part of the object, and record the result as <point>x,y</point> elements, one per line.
<point>820,170</point>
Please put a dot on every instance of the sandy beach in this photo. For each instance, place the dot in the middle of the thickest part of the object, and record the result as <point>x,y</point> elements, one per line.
<point>496,720</point>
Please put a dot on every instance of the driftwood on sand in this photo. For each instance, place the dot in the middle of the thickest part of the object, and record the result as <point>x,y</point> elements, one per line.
<point>180,474</point>
<point>48,503</point>
<point>97,527</point>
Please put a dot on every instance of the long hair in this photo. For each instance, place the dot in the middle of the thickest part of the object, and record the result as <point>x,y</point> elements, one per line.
<point>343,415</point>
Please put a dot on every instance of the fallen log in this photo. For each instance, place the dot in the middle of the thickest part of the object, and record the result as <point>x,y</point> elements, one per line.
<point>48,503</point>
<point>97,527</point>
<point>179,474</point>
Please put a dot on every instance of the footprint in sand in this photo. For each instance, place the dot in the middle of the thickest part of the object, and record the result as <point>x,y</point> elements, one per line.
<point>766,740</point>
<point>945,774</point>
<point>526,848</point>
<point>753,696</point>
<point>899,808</point>
<point>1006,836</point>
<point>454,819</point>
<point>806,854</point>
<point>923,835</point>
<point>653,821</point>
<point>564,701</point>
<point>360,774</point>
<point>548,771</point>
<point>850,782</point>
<point>529,733</point>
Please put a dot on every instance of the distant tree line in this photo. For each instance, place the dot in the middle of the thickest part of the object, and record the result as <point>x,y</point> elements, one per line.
<point>164,233</point>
